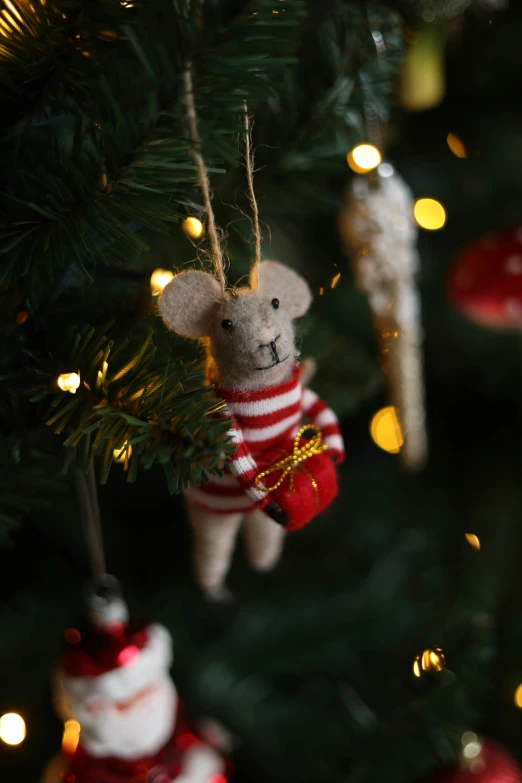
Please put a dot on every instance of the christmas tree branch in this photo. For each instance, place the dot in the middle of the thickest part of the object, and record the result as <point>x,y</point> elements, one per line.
<point>136,405</point>
<point>28,480</point>
<point>121,165</point>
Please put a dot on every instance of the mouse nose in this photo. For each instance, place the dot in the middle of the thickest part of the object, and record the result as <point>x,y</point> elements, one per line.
<point>267,336</point>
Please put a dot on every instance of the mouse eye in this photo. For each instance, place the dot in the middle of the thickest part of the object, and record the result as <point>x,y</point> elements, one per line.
<point>275,304</point>
<point>227,324</point>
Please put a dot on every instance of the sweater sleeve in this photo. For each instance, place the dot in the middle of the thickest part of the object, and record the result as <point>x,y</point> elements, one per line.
<point>242,464</point>
<point>318,413</point>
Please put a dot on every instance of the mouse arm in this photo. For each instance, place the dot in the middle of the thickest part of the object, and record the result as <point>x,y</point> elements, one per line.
<point>243,466</point>
<point>318,413</point>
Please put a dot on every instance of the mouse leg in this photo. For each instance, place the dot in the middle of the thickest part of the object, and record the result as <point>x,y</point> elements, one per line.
<point>214,537</point>
<point>263,540</point>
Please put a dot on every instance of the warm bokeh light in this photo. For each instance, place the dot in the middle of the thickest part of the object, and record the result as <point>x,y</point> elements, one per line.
<point>22,316</point>
<point>335,279</point>
<point>10,18</point>
<point>71,736</point>
<point>472,749</point>
<point>69,381</point>
<point>386,431</point>
<point>473,540</point>
<point>122,454</point>
<point>12,728</point>
<point>456,145</point>
<point>518,696</point>
<point>159,279</point>
<point>192,227</point>
<point>429,214</point>
<point>430,660</point>
<point>363,158</point>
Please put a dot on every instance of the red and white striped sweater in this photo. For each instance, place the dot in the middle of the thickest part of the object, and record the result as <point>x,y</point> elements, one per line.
<point>262,420</point>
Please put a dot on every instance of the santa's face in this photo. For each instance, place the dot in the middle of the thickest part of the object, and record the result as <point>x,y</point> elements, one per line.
<point>128,726</point>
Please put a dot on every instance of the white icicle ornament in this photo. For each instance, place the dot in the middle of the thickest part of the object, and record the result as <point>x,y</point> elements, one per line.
<point>376,223</point>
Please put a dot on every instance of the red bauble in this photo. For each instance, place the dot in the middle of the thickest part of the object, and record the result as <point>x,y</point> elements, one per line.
<point>494,764</point>
<point>485,281</point>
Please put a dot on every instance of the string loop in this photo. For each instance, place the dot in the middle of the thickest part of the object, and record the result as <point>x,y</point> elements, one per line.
<point>249,166</point>
<point>204,183</point>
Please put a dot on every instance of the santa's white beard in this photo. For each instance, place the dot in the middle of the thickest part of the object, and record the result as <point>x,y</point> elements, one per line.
<point>140,730</point>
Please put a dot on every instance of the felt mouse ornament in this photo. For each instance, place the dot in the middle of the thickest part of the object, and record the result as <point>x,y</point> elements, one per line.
<point>277,479</point>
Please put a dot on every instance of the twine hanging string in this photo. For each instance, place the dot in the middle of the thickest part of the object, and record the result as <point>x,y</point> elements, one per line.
<point>217,254</point>
<point>249,166</point>
<point>87,495</point>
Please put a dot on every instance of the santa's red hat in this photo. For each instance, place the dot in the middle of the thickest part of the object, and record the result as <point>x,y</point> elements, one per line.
<point>114,656</point>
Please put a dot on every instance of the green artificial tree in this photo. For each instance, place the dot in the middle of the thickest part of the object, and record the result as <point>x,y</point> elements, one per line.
<point>310,668</point>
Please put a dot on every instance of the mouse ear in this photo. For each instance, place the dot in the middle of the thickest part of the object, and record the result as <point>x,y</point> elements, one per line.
<point>277,281</point>
<point>188,302</point>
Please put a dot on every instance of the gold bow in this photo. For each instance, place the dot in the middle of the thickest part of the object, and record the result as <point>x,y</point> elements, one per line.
<point>299,454</point>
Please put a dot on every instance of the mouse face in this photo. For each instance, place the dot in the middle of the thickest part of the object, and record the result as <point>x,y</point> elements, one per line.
<point>249,335</point>
<point>252,341</point>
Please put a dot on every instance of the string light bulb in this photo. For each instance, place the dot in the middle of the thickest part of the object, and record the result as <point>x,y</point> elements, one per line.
<point>159,279</point>
<point>385,430</point>
<point>473,540</point>
<point>12,728</point>
<point>123,453</point>
<point>100,378</point>
<point>69,381</point>
<point>430,660</point>
<point>518,697</point>
<point>363,158</point>
<point>429,214</point>
<point>71,736</point>
<point>193,227</point>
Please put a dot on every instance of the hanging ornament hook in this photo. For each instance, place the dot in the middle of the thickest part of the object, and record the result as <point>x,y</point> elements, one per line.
<point>87,495</point>
<point>104,601</point>
<point>102,594</point>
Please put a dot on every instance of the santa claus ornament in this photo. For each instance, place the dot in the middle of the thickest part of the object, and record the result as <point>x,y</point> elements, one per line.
<point>114,680</point>
<point>282,473</point>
